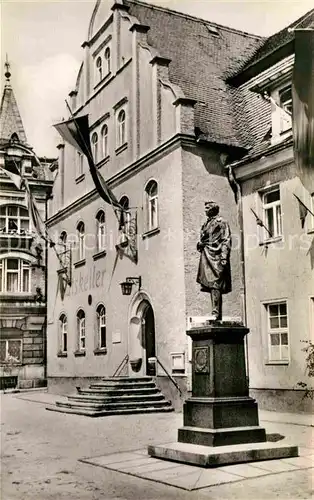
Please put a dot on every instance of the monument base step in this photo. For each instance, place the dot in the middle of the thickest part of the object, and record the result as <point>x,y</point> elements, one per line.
<point>222,436</point>
<point>207,456</point>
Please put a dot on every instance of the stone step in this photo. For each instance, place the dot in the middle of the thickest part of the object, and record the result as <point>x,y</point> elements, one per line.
<point>105,413</point>
<point>127,380</point>
<point>120,392</point>
<point>121,385</point>
<point>113,406</point>
<point>111,399</point>
<point>114,396</point>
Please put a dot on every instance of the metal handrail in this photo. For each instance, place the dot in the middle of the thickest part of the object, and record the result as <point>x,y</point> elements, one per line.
<point>121,365</point>
<point>168,375</point>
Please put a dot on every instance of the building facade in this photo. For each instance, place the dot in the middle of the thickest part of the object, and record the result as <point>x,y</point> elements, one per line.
<point>166,122</point>
<point>23,255</point>
<point>279,254</point>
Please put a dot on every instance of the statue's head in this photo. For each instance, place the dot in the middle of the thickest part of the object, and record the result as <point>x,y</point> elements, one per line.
<point>211,208</point>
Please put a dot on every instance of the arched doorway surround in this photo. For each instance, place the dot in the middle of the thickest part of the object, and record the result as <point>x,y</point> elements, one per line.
<point>142,334</point>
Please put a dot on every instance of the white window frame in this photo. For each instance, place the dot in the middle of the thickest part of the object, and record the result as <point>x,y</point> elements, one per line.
<point>63,325</point>
<point>101,323</point>
<point>7,341</point>
<point>280,330</point>
<point>121,128</point>
<point>81,240</point>
<point>95,146</point>
<point>105,140</point>
<point>152,202</point>
<point>273,206</point>
<point>285,112</point>
<point>81,330</point>
<point>22,267</point>
<point>101,230</point>
<point>18,218</point>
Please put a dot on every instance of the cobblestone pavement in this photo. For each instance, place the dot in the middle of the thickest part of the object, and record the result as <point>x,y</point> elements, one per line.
<point>40,452</point>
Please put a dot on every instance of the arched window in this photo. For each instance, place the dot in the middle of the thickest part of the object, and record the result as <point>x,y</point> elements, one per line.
<point>101,230</point>
<point>98,69</point>
<point>79,164</point>
<point>152,205</point>
<point>81,240</point>
<point>80,317</point>
<point>125,219</point>
<point>95,146</point>
<point>63,326</point>
<point>14,219</point>
<point>107,57</point>
<point>63,238</point>
<point>15,276</point>
<point>101,326</point>
<point>121,128</point>
<point>105,144</point>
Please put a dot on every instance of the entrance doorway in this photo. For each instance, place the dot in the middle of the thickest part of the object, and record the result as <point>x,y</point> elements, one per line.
<point>148,336</point>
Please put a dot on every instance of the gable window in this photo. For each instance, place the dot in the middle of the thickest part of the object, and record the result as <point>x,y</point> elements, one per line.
<point>277,331</point>
<point>95,146</point>
<point>10,351</point>
<point>79,164</point>
<point>285,101</point>
<point>81,240</point>
<point>105,144</point>
<point>101,230</point>
<point>272,213</point>
<point>98,69</point>
<point>81,330</point>
<point>107,58</point>
<point>152,205</point>
<point>15,276</point>
<point>121,128</point>
<point>14,219</point>
<point>101,326</point>
<point>63,239</point>
<point>63,325</point>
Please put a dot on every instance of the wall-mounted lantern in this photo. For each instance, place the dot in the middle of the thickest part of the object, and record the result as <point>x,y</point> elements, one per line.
<point>126,286</point>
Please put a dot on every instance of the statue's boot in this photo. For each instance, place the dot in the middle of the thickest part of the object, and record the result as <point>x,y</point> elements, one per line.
<point>216,298</point>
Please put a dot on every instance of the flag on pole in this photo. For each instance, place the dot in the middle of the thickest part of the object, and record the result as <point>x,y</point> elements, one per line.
<point>76,133</point>
<point>303,98</point>
<point>303,210</point>
<point>12,171</point>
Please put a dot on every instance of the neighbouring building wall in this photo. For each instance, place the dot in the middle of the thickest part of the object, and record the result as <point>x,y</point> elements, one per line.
<point>160,265</point>
<point>278,270</point>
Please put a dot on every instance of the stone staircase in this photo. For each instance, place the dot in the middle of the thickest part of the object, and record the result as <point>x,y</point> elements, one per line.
<point>115,396</point>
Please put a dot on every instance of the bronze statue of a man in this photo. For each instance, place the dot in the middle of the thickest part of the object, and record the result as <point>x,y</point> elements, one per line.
<point>214,273</point>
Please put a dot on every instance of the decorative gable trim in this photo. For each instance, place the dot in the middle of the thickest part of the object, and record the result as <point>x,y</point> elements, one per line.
<point>272,77</point>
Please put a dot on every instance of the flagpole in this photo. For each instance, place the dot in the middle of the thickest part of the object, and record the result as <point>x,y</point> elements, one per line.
<point>300,201</point>
<point>260,223</point>
<point>87,149</point>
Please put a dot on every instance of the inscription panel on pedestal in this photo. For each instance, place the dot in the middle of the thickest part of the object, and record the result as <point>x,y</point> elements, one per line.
<point>201,359</point>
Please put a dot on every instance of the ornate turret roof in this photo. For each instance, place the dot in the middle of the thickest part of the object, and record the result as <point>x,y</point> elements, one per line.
<point>11,125</point>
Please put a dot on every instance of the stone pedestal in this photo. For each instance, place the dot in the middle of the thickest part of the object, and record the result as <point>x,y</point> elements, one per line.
<point>220,412</point>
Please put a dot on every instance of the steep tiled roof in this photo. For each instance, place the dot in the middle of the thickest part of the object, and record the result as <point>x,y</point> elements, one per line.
<point>10,118</point>
<point>201,61</point>
<point>278,45</point>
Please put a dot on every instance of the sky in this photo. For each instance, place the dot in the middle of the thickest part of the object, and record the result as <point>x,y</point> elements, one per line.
<point>43,41</point>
